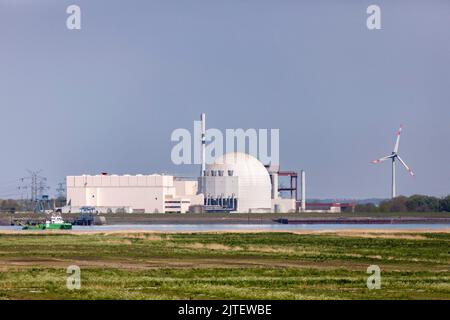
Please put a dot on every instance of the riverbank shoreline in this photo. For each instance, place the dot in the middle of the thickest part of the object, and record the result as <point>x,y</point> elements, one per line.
<point>241,218</point>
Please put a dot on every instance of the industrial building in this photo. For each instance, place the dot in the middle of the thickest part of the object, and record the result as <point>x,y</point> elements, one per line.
<point>131,193</point>
<point>234,182</point>
<point>331,207</point>
<point>238,182</point>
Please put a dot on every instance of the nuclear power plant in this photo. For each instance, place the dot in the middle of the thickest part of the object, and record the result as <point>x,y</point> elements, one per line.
<point>234,182</point>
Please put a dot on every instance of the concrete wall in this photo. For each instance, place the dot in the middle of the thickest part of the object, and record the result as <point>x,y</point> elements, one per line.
<point>188,190</point>
<point>283,205</point>
<point>217,186</point>
<point>185,187</point>
<point>140,193</point>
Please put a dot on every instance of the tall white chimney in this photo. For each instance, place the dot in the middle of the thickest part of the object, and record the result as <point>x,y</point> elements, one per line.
<point>303,203</point>
<point>203,120</point>
<point>274,185</point>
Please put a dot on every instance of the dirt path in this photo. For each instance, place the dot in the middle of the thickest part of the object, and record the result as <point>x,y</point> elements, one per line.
<point>155,263</point>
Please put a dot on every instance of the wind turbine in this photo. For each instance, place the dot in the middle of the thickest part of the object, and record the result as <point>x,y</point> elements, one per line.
<point>394,156</point>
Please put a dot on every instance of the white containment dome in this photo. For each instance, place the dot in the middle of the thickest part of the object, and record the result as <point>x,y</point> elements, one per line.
<point>242,176</point>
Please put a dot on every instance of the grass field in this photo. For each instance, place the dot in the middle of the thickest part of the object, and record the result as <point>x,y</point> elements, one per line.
<point>225,266</point>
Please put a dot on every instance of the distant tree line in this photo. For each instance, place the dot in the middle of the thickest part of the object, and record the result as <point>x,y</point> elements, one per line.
<point>15,205</point>
<point>9,205</point>
<point>415,203</point>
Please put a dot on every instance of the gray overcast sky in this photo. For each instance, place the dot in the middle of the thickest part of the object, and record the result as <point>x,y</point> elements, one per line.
<point>107,97</point>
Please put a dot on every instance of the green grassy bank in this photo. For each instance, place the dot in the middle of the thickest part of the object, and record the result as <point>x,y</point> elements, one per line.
<point>229,266</point>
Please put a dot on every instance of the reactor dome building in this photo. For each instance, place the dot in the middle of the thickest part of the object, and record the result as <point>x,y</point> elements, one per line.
<point>232,182</point>
<point>236,182</point>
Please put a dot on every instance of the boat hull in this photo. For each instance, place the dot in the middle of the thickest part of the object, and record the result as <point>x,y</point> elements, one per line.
<point>51,226</point>
<point>62,226</point>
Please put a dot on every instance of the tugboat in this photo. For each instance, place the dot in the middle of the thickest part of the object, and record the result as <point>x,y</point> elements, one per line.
<point>55,223</point>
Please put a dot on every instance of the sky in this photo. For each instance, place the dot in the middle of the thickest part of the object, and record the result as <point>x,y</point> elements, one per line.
<point>106,98</point>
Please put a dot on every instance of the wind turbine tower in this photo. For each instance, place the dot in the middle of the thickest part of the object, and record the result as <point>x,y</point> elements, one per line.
<point>394,156</point>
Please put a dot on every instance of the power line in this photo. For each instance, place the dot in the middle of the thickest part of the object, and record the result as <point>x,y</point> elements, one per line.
<point>36,188</point>
<point>61,190</point>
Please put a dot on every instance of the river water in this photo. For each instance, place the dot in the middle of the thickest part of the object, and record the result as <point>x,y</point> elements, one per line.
<point>248,227</point>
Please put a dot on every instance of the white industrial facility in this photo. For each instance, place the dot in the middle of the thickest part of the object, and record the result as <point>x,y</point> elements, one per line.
<point>238,182</point>
<point>153,193</point>
<point>235,182</point>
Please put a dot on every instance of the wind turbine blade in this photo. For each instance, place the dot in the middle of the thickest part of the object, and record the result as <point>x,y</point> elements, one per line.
<point>398,138</point>
<point>381,159</point>
<point>406,167</point>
